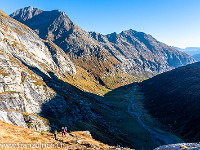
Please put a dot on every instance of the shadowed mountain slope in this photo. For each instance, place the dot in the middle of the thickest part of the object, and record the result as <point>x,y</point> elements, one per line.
<point>173,97</point>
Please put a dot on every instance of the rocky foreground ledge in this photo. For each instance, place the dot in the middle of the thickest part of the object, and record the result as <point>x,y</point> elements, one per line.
<point>180,146</point>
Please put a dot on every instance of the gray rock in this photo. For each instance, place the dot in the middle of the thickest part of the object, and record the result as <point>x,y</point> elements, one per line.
<point>36,123</point>
<point>180,146</point>
<point>12,117</point>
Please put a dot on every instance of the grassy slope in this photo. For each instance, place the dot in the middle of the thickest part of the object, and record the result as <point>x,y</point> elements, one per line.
<point>86,82</point>
<point>75,140</point>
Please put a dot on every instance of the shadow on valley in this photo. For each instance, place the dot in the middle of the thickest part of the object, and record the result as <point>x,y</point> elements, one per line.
<point>79,110</point>
<point>173,97</point>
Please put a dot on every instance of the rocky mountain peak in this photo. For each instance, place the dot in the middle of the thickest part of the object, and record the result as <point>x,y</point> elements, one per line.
<point>26,13</point>
<point>112,37</point>
<point>45,23</point>
<point>129,31</point>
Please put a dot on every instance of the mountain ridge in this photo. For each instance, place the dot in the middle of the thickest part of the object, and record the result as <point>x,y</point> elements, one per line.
<point>192,51</point>
<point>106,56</point>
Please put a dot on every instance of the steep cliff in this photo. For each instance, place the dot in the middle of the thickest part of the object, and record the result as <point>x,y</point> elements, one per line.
<point>21,89</point>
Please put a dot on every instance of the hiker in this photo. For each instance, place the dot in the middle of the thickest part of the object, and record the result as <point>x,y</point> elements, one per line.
<point>55,134</point>
<point>63,133</point>
<point>66,129</point>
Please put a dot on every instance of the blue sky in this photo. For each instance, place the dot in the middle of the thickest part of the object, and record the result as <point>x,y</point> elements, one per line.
<point>174,22</point>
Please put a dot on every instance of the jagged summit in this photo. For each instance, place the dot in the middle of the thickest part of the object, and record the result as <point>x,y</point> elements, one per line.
<point>42,21</point>
<point>26,13</point>
<point>29,12</point>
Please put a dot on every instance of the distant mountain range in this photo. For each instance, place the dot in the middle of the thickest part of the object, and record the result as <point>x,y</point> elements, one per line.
<point>192,51</point>
<point>114,58</point>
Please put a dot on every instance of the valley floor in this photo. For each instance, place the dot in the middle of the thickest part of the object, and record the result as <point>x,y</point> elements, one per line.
<point>152,125</point>
<point>131,131</point>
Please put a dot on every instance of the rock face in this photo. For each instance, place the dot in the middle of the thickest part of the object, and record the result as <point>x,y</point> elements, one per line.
<point>173,97</point>
<point>21,89</point>
<point>140,52</point>
<point>105,56</point>
<point>36,123</point>
<point>12,117</point>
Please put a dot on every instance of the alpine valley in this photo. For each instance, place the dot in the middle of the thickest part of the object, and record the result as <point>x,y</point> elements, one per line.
<point>54,74</point>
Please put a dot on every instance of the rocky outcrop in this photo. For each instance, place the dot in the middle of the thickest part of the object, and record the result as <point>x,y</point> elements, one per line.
<point>24,119</point>
<point>13,117</point>
<point>180,146</point>
<point>37,123</point>
<point>60,58</point>
<point>105,56</point>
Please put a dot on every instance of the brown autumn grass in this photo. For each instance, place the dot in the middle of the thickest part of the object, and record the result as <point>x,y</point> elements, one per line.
<point>86,82</point>
<point>74,140</point>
